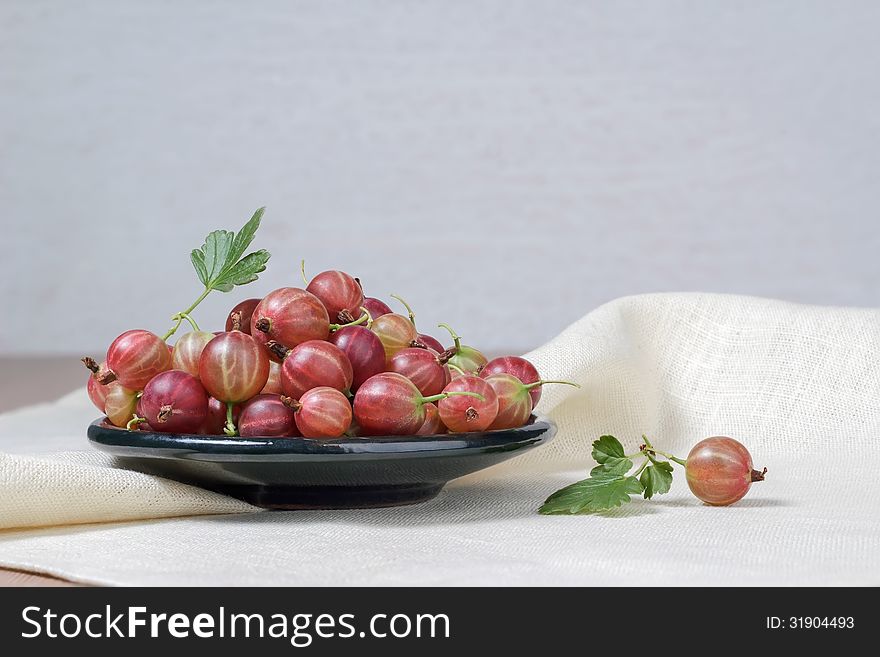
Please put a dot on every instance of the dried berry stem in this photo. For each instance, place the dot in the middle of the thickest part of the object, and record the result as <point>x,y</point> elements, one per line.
<point>278,349</point>
<point>290,402</point>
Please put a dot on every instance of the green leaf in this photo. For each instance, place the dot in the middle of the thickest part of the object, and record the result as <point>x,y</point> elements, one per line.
<point>219,263</point>
<point>656,478</point>
<point>597,493</point>
<point>607,447</point>
<point>609,453</point>
<point>198,260</point>
<point>244,272</point>
<point>245,236</point>
<point>216,249</point>
<point>613,466</point>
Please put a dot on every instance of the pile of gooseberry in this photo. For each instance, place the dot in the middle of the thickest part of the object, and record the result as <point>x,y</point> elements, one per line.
<point>322,362</point>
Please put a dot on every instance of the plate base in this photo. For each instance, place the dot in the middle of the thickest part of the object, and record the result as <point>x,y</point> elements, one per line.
<point>331,497</point>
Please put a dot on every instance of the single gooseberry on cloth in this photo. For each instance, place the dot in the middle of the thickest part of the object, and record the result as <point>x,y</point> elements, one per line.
<point>720,472</point>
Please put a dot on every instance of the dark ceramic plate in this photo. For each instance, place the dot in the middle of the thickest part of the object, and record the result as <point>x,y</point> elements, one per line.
<point>299,473</point>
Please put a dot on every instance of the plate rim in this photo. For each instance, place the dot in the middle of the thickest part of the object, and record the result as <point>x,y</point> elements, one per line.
<point>147,444</point>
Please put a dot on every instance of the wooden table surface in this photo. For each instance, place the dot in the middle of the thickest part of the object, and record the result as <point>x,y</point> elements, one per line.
<point>37,379</point>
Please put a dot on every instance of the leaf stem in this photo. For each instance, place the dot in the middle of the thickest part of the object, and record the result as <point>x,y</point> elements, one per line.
<point>173,329</point>
<point>670,457</point>
<point>191,321</point>
<point>184,314</point>
<point>641,467</point>
<point>650,448</point>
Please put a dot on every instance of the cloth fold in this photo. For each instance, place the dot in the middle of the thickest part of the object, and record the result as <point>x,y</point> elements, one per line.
<point>798,385</point>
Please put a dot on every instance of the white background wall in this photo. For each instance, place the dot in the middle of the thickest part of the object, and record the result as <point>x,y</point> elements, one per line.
<point>505,165</point>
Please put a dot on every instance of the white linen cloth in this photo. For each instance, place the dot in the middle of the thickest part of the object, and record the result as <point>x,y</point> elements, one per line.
<point>799,385</point>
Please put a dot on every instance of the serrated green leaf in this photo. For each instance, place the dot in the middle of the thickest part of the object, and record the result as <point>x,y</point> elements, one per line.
<point>656,478</point>
<point>607,447</point>
<point>590,495</point>
<point>215,250</point>
<point>244,238</point>
<point>219,263</point>
<point>243,272</point>
<point>198,260</point>
<point>613,466</point>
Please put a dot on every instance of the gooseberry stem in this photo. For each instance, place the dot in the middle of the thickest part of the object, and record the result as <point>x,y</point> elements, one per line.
<point>641,468</point>
<point>455,338</point>
<point>360,320</point>
<point>454,393</point>
<point>184,314</point>
<point>456,368</point>
<point>191,321</point>
<point>229,429</point>
<point>135,421</point>
<point>648,449</point>
<point>681,462</point>
<point>302,272</point>
<point>91,364</point>
<point>536,384</point>
<point>369,317</point>
<point>409,310</point>
<point>290,402</point>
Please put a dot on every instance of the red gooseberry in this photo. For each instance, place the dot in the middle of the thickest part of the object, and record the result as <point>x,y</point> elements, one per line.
<point>460,413</point>
<point>174,402</point>
<point>720,472</point>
